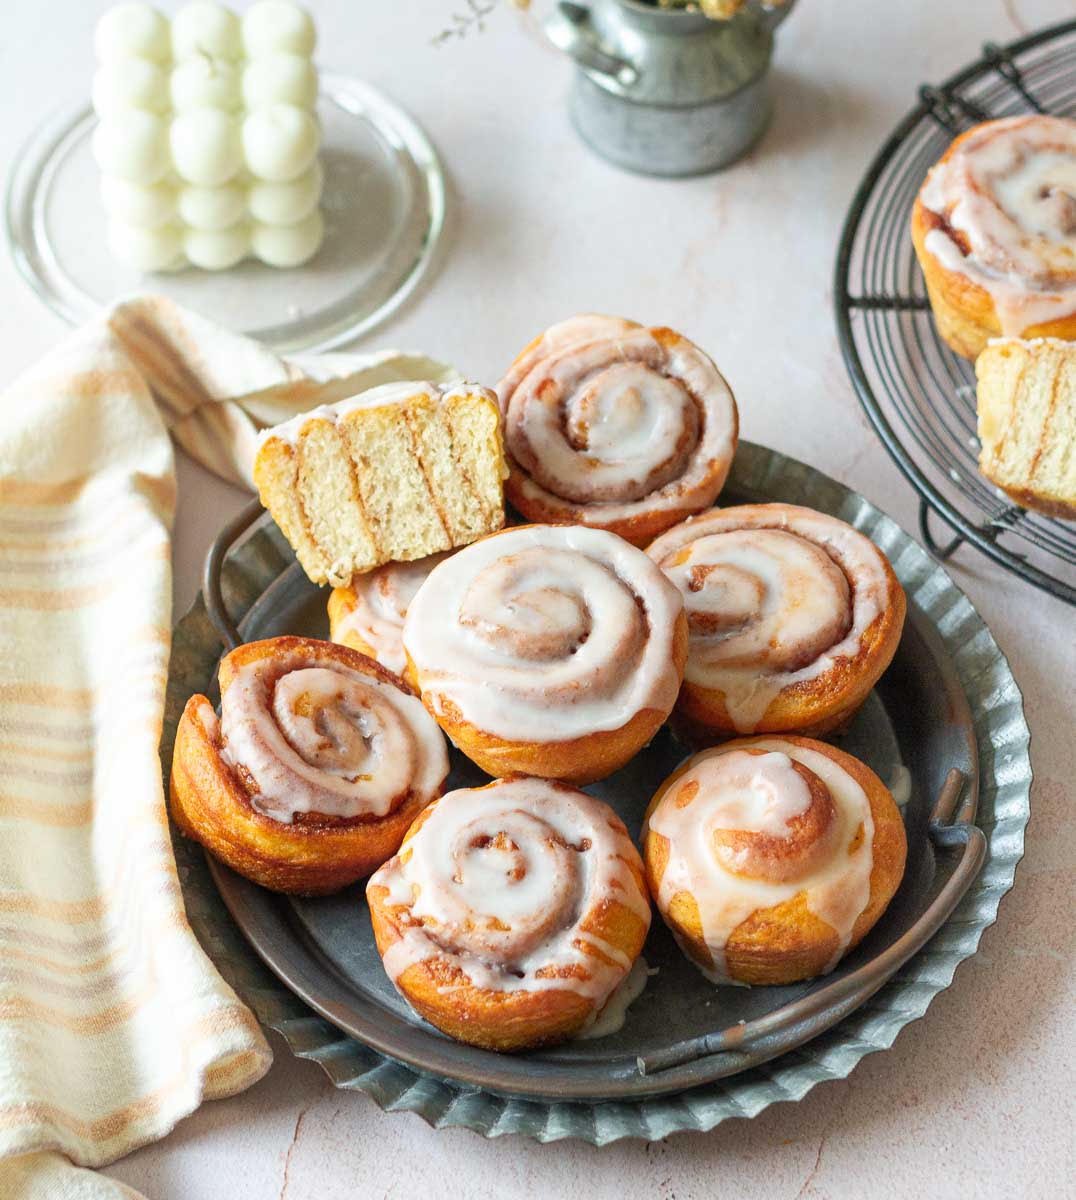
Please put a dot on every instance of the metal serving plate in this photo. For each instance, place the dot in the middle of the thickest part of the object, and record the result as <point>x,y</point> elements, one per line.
<point>689,1054</point>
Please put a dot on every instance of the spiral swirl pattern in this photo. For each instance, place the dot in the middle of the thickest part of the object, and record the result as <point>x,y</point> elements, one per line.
<point>1003,205</point>
<point>373,607</point>
<point>750,825</point>
<point>312,728</point>
<point>775,595</point>
<point>502,882</point>
<point>614,425</point>
<point>545,633</point>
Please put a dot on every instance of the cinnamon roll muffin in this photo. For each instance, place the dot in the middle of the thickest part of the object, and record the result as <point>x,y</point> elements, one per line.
<point>994,229</point>
<point>547,650</point>
<point>771,858</point>
<point>317,765</point>
<point>511,913</point>
<point>615,426</point>
<point>368,615</point>
<point>793,616</point>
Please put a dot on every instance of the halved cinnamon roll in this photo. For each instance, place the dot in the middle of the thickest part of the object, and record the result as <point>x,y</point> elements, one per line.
<point>615,426</point>
<point>547,650</point>
<point>511,912</point>
<point>319,762</point>
<point>771,858</point>
<point>994,229</point>
<point>793,616</point>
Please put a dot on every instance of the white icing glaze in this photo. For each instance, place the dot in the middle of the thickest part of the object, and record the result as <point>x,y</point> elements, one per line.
<point>382,598</point>
<point>761,794</point>
<point>768,601</point>
<point>500,881</point>
<point>1010,190</point>
<point>901,785</point>
<point>611,1017</point>
<point>606,421</point>
<point>546,633</point>
<point>328,739</point>
<point>397,392</point>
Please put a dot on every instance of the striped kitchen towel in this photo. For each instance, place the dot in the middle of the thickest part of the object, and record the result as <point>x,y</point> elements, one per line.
<point>113,1022</point>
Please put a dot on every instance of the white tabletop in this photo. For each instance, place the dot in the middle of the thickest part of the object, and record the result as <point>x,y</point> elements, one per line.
<point>978,1094</point>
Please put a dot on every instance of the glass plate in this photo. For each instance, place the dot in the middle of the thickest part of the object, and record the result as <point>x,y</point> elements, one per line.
<point>384,208</point>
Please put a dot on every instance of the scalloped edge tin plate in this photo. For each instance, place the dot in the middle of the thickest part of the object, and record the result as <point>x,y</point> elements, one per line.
<point>857,1024</point>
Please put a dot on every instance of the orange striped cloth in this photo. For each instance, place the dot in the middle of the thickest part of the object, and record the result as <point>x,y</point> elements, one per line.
<point>113,1022</point>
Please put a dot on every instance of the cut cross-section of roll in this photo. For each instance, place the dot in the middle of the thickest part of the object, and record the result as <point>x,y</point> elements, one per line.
<point>1027,421</point>
<point>616,426</point>
<point>397,472</point>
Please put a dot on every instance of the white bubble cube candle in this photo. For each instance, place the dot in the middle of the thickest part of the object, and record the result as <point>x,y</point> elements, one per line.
<point>207,139</point>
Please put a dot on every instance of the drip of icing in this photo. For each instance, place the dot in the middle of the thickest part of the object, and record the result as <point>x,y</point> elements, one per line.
<point>396,392</point>
<point>762,794</point>
<point>900,785</point>
<point>1010,190</point>
<point>610,1018</point>
<point>774,595</point>
<point>328,739</point>
<point>382,598</point>
<point>500,881</point>
<point>546,633</point>
<point>601,413</point>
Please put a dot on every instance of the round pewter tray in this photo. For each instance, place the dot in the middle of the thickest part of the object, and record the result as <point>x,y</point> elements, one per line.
<point>948,701</point>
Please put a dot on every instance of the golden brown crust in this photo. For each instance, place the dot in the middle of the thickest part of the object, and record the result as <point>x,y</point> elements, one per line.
<point>579,760</point>
<point>814,707</point>
<point>964,312</point>
<point>1027,498</point>
<point>787,942</point>
<point>504,1020</point>
<point>640,528</point>
<point>342,603</point>
<point>316,854</point>
<point>650,515</point>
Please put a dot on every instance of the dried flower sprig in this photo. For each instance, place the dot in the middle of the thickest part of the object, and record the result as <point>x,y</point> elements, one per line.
<point>471,20</point>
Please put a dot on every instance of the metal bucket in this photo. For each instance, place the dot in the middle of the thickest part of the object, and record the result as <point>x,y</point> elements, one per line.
<point>667,92</point>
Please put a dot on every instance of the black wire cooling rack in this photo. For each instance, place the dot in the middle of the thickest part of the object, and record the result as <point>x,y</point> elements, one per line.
<point>918,394</point>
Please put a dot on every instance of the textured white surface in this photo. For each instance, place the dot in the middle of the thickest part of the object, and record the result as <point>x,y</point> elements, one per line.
<point>974,1100</point>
